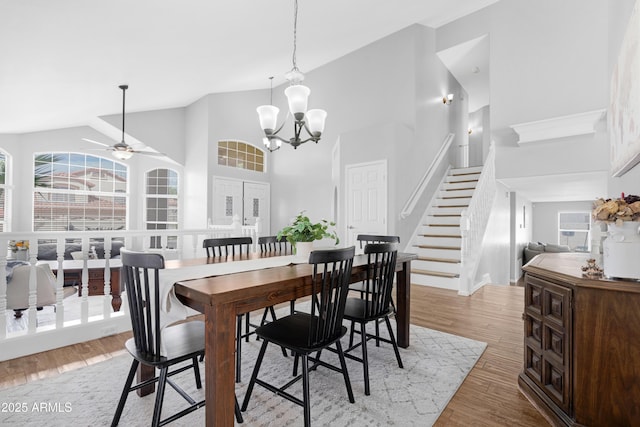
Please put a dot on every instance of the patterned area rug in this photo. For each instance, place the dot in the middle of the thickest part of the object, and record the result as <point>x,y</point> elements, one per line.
<point>435,365</point>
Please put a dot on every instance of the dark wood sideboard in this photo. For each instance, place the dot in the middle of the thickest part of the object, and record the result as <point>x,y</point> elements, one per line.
<point>581,344</point>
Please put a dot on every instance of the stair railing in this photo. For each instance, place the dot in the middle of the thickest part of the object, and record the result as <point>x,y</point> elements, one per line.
<point>473,223</point>
<point>408,207</point>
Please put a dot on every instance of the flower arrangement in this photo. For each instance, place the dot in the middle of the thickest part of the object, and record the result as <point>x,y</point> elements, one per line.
<point>626,208</point>
<point>303,230</point>
<point>18,245</point>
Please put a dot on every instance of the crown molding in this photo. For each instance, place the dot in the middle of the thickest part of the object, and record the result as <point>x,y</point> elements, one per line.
<point>558,127</point>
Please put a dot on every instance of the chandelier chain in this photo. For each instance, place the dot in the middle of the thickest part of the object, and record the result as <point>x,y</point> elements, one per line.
<point>295,34</point>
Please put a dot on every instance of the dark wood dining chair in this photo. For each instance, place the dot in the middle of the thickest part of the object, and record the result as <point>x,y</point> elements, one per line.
<point>274,245</point>
<point>280,247</point>
<point>307,333</point>
<point>151,347</point>
<point>375,304</point>
<point>363,240</point>
<point>231,246</point>
<point>227,246</point>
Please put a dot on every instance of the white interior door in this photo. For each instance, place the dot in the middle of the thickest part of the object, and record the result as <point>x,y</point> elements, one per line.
<point>227,200</point>
<point>257,205</point>
<point>366,202</point>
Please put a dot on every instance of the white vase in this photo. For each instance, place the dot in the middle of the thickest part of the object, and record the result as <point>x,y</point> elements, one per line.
<point>621,251</point>
<point>303,249</point>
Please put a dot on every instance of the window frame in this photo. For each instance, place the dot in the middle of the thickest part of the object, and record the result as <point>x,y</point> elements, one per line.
<point>154,241</point>
<point>67,191</point>
<point>241,149</point>
<point>560,230</point>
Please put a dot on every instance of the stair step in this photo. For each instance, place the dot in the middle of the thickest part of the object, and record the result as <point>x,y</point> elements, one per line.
<point>434,273</point>
<point>452,283</point>
<point>451,236</point>
<point>463,171</point>
<point>445,215</point>
<point>451,206</point>
<point>446,248</point>
<point>432,259</point>
<point>429,224</point>
<point>454,197</point>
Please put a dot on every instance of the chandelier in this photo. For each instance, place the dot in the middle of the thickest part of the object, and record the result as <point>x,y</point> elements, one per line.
<point>311,121</point>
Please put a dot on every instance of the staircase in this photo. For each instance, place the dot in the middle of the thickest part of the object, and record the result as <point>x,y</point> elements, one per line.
<point>438,240</point>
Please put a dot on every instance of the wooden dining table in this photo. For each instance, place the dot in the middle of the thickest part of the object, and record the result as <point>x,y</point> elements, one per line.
<point>223,297</point>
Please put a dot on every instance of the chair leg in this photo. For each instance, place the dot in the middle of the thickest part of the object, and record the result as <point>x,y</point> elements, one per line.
<point>254,375</point>
<point>157,410</point>
<point>125,393</point>
<point>247,326</point>
<point>236,410</point>
<point>238,347</point>
<point>351,334</point>
<point>296,357</point>
<point>393,341</point>
<point>305,390</point>
<point>365,357</point>
<point>345,373</point>
<point>196,370</point>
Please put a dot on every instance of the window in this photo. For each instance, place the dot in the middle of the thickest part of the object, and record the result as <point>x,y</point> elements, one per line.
<point>162,204</point>
<point>74,191</point>
<point>574,230</point>
<point>3,192</point>
<point>241,155</point>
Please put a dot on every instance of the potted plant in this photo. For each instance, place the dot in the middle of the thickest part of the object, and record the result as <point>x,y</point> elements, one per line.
<point>302,233</point>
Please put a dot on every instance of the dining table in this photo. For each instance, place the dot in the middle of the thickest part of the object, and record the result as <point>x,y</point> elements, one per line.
<point>221,298</point>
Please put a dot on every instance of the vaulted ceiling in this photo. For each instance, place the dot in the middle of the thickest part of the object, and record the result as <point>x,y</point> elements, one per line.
<point>62,61</point>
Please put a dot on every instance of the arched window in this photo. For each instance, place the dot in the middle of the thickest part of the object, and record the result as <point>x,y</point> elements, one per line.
<point>241,155</point>
<point>3,192</point>
<point>74,191</point>
<point>162,204</point>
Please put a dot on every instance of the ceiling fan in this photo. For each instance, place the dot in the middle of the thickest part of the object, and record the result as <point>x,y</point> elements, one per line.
<point>122,150</point>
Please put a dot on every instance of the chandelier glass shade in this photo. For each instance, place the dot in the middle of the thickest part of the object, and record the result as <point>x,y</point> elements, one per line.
<point>312,121</point>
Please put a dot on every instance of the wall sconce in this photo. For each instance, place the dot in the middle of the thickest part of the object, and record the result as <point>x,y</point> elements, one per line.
<point>447,99</point>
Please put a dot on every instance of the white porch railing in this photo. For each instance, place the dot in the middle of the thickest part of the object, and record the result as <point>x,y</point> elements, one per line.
<point>173,244</point>
<point>473,224</point>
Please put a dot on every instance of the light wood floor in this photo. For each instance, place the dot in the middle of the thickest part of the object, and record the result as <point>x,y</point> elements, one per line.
<point>489,396</point>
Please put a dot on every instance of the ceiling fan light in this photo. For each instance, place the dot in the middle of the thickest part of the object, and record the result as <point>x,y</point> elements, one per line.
<point>315,121</point>
<point>122,155</point>
<point>297,95</point>
<point>268,115</point>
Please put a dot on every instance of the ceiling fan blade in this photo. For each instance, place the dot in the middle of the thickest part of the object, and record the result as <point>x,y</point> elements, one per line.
<point>149,153</point>
<point>95,142</point>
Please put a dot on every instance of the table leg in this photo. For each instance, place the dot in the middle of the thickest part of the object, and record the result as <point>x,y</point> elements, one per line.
<point>220,365</point>
<point>403,303</point>
<point>146,372</point>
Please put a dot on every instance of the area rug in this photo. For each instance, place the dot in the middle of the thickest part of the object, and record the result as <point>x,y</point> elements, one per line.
<point>435,364</point>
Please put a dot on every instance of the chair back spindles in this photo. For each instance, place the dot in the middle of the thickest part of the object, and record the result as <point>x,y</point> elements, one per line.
<point>365,239</point>
<point>330,286</point>
<point>227,246</point>
<point>143,296</point>
<point>378,284</point>
<point>271,244</point>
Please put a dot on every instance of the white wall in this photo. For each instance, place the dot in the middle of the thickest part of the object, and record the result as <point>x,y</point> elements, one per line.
<point>196,173</point>
<point>377,108</point>
<point>521,232</point>
<point>69,139</point>
<point>545,218</point>
<point>162,130</point>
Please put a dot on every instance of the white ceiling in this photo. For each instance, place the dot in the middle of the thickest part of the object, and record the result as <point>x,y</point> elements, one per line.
<point>62,61</point>
<point>560,187</point>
